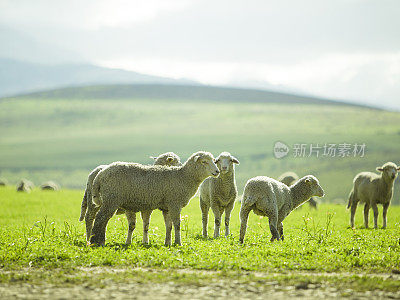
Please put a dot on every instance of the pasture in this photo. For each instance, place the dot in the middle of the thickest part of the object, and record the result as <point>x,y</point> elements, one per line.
<point>63,139</point>
<point>41,241</point>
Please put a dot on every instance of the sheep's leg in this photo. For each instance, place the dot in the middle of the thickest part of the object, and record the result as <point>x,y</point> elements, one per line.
<point>175,215</point>
<point>312,202</point>
<point>366,214</point>
<point>217,219</point>
<point>131,217</point>
<point>146,222</point>
<point>354,204</point>
<point>375,209</point>
<point>89,219</point>
<point>273,223</point>
<point>244,215</point>
<point>204,216</point>
<point>100,224</point>
<point>280,230</point>
<point>384,213</point>
<point>168,227</point>
<point>228,211</point>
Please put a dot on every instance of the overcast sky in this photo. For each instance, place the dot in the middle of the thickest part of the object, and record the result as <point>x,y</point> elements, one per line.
<point>347,49</point>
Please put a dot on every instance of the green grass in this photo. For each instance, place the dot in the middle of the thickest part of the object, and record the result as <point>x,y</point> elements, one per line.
<point>63,139</point>
<point>41,230</point>
<point>41,240</point>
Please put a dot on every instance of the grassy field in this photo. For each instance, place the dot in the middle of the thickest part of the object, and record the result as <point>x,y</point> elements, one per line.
<point>63,139</point>
<point>40,231</point>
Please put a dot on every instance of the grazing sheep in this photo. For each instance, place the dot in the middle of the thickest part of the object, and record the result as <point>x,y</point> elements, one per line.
<point>290,178</point>
<point>274,199</point>
<point>25,185</point>
<point>50,185</point>
<point>167,159</point>
<point>89,209</point>
<point>372,189</point>
<point>135,187</point>
<point>219,193</point>
<point>3,182</point>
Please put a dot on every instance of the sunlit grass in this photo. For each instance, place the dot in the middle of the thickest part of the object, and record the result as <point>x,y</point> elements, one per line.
<point>41,229</point>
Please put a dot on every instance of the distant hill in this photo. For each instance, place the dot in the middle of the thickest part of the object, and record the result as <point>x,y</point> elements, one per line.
<point>18,77</point>
<point>181,92</point>
<point>20,46</point>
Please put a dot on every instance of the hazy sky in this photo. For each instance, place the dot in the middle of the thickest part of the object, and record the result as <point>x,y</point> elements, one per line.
<point>347,49</point>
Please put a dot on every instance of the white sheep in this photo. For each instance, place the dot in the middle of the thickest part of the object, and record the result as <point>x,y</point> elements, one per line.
<point>136,187</point>
<point>274,199</point>
<point>372,189</point>
<point>50,185</point>
<point>3,182</point>
<point>89,209</point>
<point>25,185</point>
<point>167,159</point>
<point>219,193</point>
<point>290,178</point>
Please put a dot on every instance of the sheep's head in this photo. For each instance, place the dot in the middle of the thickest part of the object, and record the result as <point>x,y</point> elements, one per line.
<point>167,159</point>
<point>205,161</point>
<point>389,170</point>
<point>313,186</point>
<point>225,162</point>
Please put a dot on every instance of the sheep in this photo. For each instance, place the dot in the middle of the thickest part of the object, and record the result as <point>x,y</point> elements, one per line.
<point>25,185</point>
<point>219,193</point>
<point>290,178</point>
<point>50,185</point>
<point>274,199</point>
<point>3,182</point>
<point>372,189</point>
<point>89,210</point>
<point>136,187</point>
<point>167,159</point>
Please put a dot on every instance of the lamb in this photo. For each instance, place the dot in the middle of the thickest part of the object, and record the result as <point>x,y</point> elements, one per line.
<point>219,193</point>
<point>372,189</point>
<point>136,187</point>
<point>3,182</point>
<point>50,185</point>
<point>274,199</point>
<point>89,210</point>
<point>290,178</point>
<point>167,159</point>
<point>25,185</point>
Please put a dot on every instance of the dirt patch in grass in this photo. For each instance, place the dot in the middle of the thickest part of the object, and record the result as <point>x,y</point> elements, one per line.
<point>138,283</point>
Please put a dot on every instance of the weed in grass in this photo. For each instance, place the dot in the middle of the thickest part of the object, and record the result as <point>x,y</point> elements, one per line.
<point>315,232</point>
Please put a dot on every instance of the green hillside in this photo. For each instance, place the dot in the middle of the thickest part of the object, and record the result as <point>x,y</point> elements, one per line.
<point>181,92</point>
<point>47,136</point>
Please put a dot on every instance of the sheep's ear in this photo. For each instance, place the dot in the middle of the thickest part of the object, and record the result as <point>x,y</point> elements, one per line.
<point>380,169</point>
<point>170,159</point>
<point>398,168</point>
<point>196,158</point>
<point>153,157</point>
<point>235,160</point>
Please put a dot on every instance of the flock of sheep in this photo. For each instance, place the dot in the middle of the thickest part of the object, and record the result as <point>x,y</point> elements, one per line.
<point>25,185</point>
<point>168,185</point>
